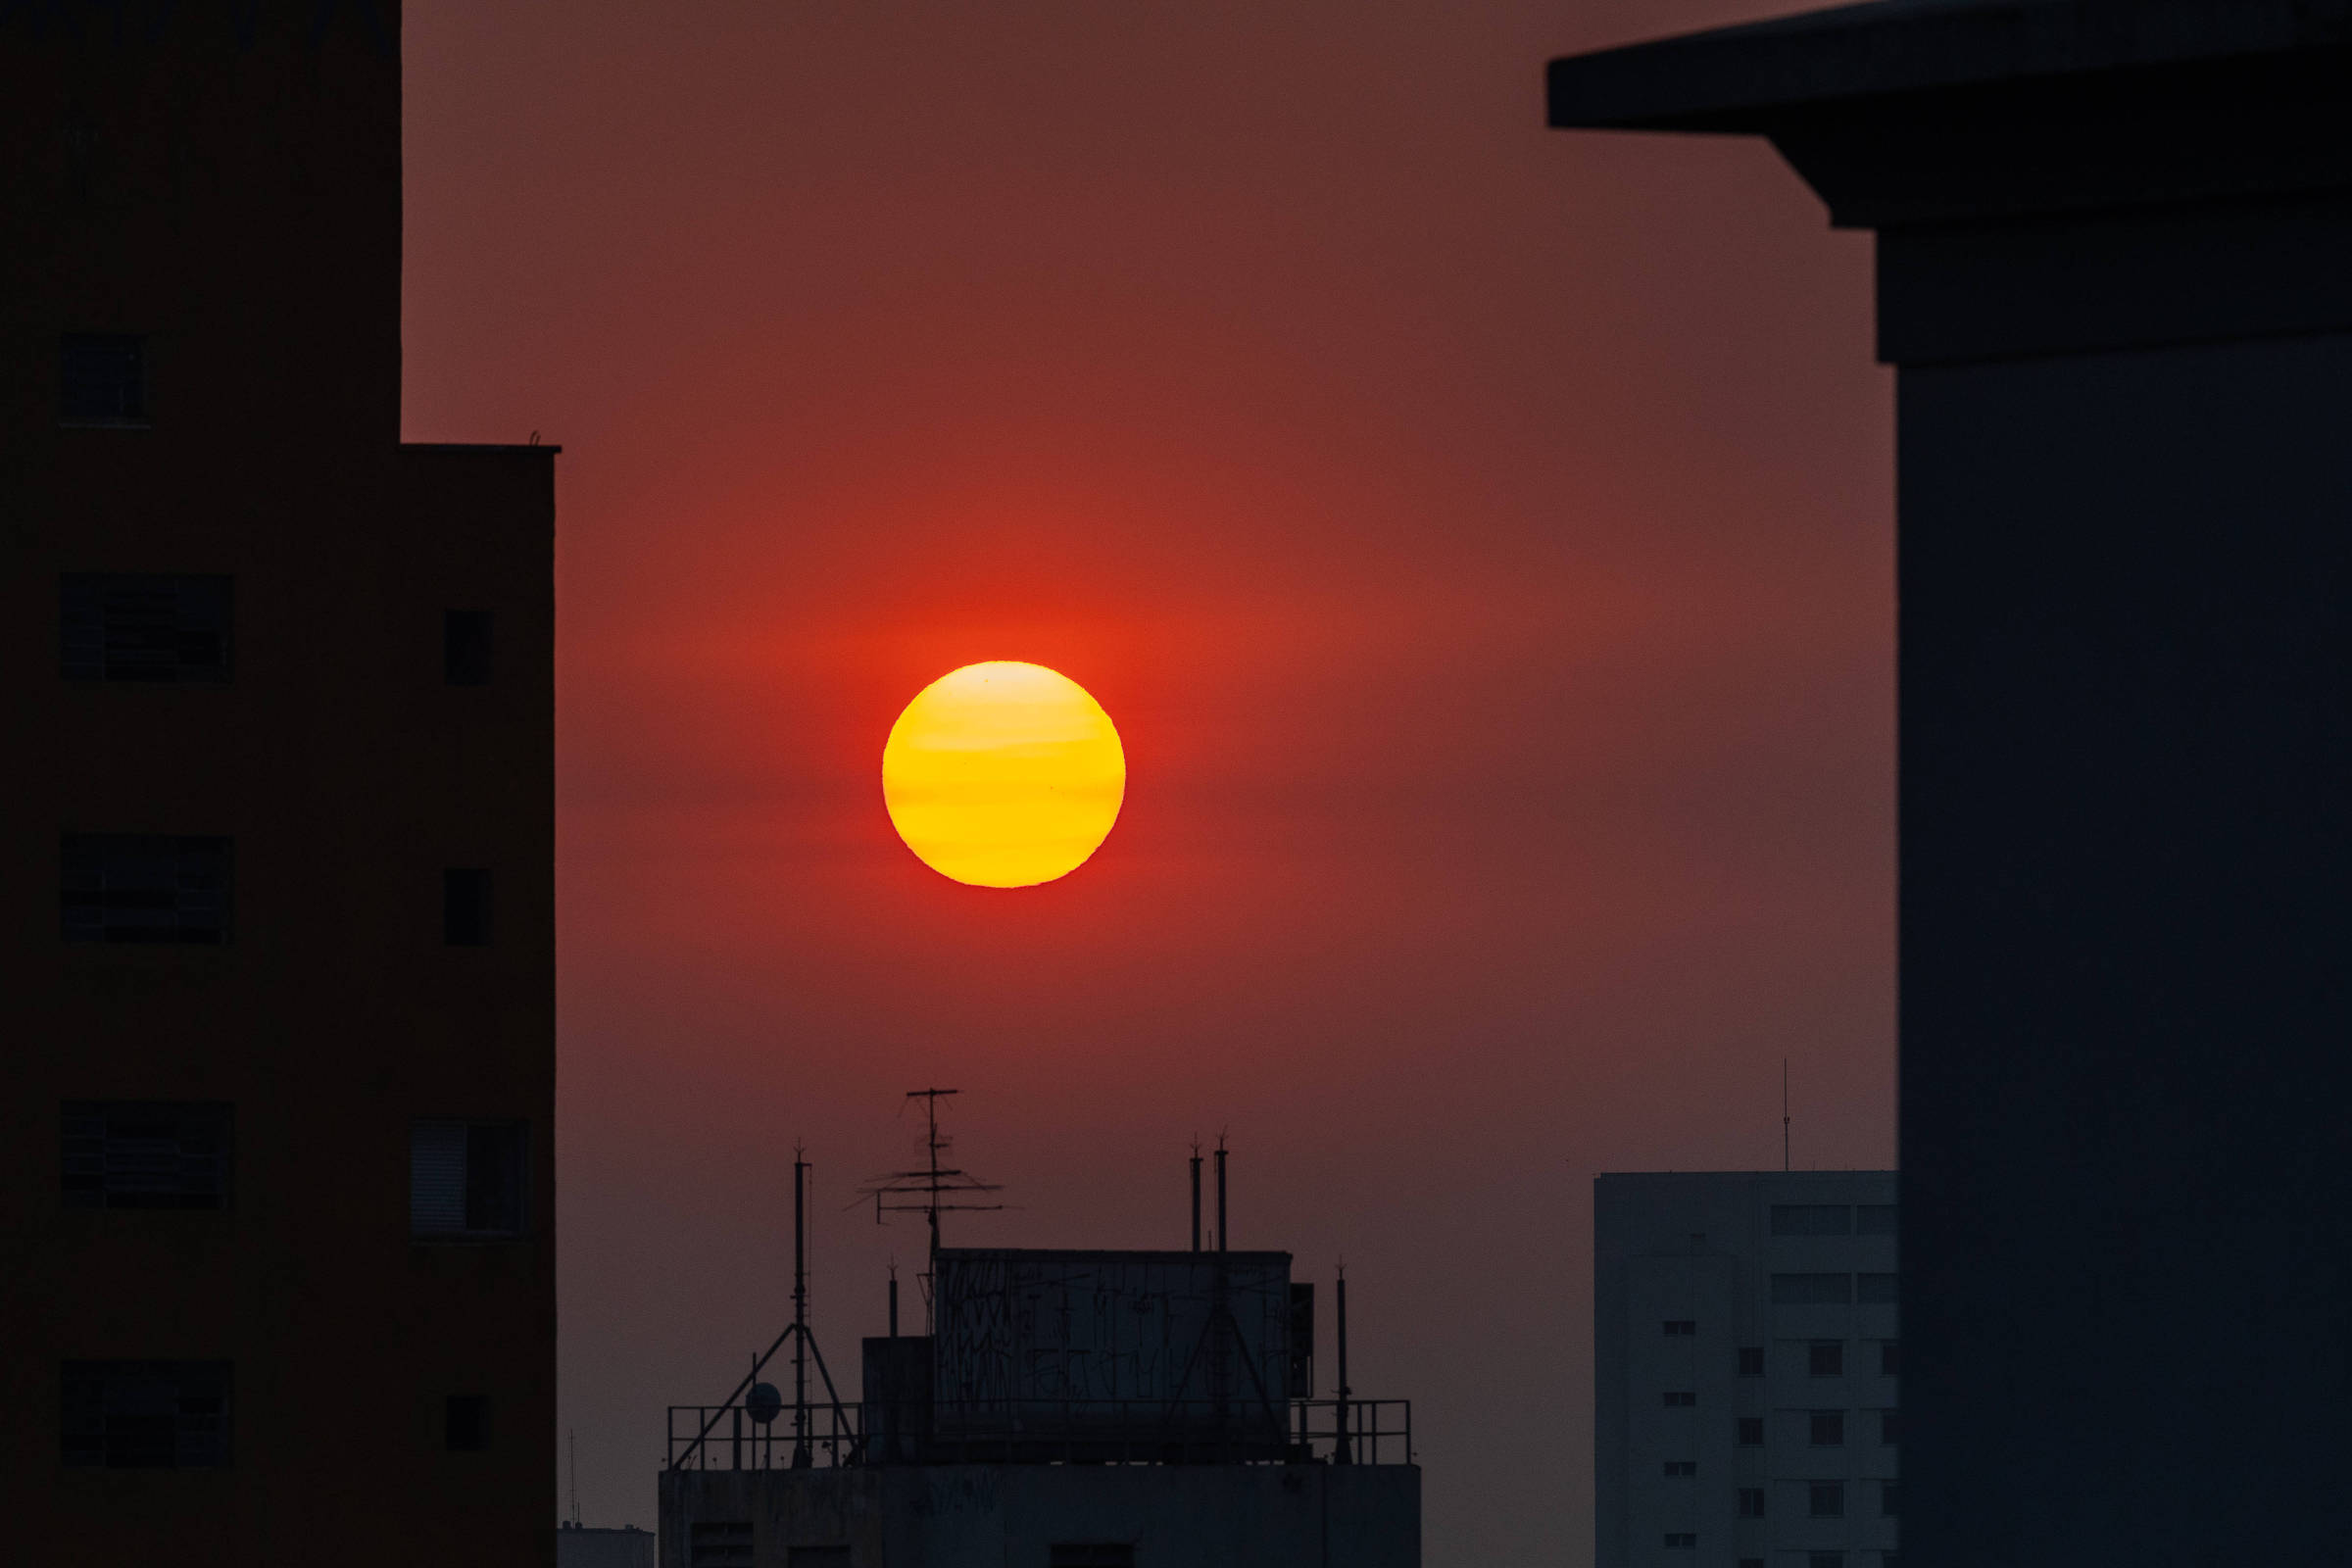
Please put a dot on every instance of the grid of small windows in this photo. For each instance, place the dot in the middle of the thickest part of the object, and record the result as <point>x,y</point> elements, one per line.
<point>145,887</point>
<point>103,379</point>
<point>144,626</point>
<point>146,1415</point>
<point>128,1154</point>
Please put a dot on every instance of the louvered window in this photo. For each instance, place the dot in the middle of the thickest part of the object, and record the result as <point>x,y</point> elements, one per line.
<point>104,379</point>
<point>146,1415</point>
<point>466,1179</point>
<point>145,887</point>
<point>720,1544</point>
<point>144,626</point>
<point>133,1155</point>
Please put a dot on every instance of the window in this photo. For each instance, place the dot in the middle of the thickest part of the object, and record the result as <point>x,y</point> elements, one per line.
<point>716,1543</point>
<point>1827,1428</point>
<point>143,626</point>
<point>146,1415</point>
<point>1681,1396</point>
<point>1681,1541</point>
<point>1889,1358</point>
<point>466,1179</point>
<point>1887,1499</point>
<point>1812,1219</point>
<point>466,1423</point>
<point>1876,1290</point>
<point>135,1154</point>
<point>1812,1290</point>
<point>823,1558</point>
<point>1825,1559</point>
<point>1825,1358</point>
<point>1751,1502</point>
<point>1826,1500</point>
<point>1888,1428</point>
<point>465,647</point>
<point>1751,1360</point>
<point>1749,1430</point>
<point>1677,1469</point>
<point>1091,1555</point>
<point>1873,1219</point>
<point>144,887</point>
<point>465,906</point>
<point>104,379</point>
<point>1680,1328</point>
<point>1751,1562</point>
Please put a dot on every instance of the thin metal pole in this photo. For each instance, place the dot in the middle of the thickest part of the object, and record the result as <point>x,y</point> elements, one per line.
<point>894,1300</point>
<point>1784,1113</point>
<point>1344,1453</point>
<point>801,1460</point>
<point>1220,1193</point>
<point>1196,1195</point>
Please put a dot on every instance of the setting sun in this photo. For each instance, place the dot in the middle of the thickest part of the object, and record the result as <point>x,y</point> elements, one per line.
<point>1004,775</point>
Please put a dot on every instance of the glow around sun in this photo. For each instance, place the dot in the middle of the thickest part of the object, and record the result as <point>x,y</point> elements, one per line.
<point>1004,775</point>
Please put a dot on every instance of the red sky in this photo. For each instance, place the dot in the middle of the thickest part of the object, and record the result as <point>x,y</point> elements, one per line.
<point>1481,536</point>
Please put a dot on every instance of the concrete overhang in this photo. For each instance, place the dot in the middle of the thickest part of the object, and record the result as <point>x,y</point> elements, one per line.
<point>1928,111</point>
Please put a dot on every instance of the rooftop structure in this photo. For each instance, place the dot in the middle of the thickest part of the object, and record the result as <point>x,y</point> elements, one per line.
<point>1090,1410</point>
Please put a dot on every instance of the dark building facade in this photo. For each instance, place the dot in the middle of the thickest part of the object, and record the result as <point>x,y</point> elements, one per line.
<point>276,924</point>
<point>2115,278</point>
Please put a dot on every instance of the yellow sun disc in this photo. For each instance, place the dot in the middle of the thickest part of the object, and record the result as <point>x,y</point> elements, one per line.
<point>1004,775</point>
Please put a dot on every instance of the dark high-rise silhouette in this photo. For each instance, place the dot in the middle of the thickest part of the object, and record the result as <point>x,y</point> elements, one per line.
<point>2114,276</point>
<point>276,1092</point>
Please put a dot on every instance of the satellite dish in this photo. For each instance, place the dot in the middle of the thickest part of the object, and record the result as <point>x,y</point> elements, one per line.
<point>764,1403</point>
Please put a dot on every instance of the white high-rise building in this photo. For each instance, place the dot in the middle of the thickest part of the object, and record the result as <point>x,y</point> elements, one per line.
<point>1745,1348</point>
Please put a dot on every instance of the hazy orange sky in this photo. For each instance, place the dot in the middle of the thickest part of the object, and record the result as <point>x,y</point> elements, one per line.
<point>1481,536</point>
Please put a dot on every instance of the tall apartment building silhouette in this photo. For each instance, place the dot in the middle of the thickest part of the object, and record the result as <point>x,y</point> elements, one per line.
<point>276,1092</point>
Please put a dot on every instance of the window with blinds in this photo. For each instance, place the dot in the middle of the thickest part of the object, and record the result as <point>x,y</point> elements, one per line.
<point>144,626</point>
<point>146,1415</point>
<point>144,887</point>
<point>467,1179</point>
<point>144,1155</point>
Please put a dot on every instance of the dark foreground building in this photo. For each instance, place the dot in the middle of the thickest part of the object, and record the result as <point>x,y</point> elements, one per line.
<point>2115,277</point>
<point>275,1187</point>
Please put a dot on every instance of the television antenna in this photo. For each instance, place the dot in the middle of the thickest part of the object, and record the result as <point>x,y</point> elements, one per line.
<point>935,1190</point>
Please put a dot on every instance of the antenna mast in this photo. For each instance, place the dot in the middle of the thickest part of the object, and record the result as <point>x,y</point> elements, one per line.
<point>573,1434</point>
<point>1784,1113</point>
<point>929,1192</point>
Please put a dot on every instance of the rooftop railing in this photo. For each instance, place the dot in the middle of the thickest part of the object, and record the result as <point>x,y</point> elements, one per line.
<point>1044,1432</point>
